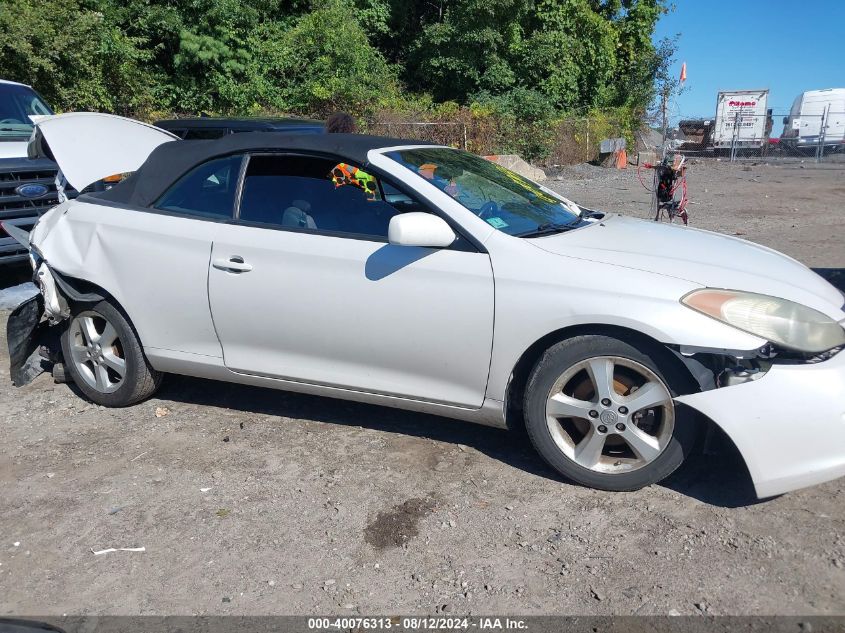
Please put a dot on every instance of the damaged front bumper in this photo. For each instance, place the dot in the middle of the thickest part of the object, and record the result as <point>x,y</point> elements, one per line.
<point>31,338</point>
<point>26,331</point>
<point>789,425</point>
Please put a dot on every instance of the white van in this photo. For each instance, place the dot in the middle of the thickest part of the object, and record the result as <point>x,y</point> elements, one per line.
<point>809,111</point>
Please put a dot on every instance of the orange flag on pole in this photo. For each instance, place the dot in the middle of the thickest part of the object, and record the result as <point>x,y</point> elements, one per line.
<point>683,72</point>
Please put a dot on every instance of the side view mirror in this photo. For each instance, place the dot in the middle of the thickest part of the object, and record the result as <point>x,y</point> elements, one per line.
<point>785,120</point>
<point>420,229</point>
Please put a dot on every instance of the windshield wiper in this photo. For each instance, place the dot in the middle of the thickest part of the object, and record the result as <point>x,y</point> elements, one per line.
<point>551,227</point>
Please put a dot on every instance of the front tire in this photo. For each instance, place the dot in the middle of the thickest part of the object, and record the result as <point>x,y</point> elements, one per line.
<point>104,357</point>
<point>600,411</point>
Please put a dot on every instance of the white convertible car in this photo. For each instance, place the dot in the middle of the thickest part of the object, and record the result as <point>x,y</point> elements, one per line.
<point>426,278</point>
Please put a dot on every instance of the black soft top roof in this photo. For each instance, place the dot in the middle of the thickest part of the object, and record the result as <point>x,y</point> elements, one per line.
<point>170,161</point>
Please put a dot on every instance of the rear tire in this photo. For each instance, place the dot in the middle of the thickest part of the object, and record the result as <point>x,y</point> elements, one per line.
<point>599,410</point>
<point>104,357</point>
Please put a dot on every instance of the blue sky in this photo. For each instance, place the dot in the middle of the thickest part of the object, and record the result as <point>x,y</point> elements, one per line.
<point>788,46</point>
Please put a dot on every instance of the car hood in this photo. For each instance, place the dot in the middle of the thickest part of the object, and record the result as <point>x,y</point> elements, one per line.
<point>702,257</point>
<point>89,146</point>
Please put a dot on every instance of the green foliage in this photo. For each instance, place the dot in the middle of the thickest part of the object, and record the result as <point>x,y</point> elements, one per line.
<point>569,38</point>
<point>521,103</point>
<point>374,17</point>
<point>509,67</point>
<point>323,62</point>
<point>73,56</point>
<point>468,51</point>
<point>580,54</point>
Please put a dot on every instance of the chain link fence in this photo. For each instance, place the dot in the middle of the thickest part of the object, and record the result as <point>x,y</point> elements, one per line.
<point>554,143</point>
<point>573,140</point>
<point>741,137</point>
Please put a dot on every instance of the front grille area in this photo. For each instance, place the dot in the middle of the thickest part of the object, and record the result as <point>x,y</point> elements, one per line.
<point>16,172</point>
<point>20,210</point>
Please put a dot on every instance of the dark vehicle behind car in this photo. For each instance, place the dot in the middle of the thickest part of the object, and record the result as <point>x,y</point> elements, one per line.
<point>199,128</point>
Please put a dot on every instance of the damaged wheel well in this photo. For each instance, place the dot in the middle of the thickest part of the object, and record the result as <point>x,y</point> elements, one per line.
<point>81,291</point>
<point>697,377</point>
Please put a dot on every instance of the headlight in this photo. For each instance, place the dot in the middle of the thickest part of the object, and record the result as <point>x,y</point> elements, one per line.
<point>782,322</point>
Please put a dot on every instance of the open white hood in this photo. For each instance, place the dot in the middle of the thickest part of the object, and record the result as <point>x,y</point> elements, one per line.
<point>89,146</point>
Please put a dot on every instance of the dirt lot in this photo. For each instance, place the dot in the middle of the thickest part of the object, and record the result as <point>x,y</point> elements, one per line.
<point>257,502</point>
<point>796,208</point>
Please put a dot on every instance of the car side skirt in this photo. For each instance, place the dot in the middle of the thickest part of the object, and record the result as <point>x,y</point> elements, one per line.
<point>491,412</point>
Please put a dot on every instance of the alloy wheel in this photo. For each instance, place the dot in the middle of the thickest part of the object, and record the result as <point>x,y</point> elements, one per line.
<point>610,414</point>
<point>97,352</point>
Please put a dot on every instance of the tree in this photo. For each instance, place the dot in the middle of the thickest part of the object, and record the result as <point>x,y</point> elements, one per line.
<point>638,59</point>
<point>323,62</point>
<point>570,54</point>
<point>73,56</point>
<point>665,85</point>
<point>468,51</point>
<point>581,54</point>
<point>312,56</point>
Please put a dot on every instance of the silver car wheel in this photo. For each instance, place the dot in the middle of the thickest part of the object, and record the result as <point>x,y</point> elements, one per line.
<point>610,414</point>
<point>97,352</point>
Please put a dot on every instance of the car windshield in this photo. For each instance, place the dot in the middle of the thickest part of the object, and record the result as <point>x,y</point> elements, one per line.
<point>502,198</point>
<point>17,103</point>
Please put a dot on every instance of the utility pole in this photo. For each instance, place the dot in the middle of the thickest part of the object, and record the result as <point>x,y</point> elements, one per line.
<point>663,106</point>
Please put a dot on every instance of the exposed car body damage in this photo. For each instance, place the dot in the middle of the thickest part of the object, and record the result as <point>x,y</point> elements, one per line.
<point>422,334</point>
<point>25,332</point>
<point>786,443</point>
<point>82,245</point>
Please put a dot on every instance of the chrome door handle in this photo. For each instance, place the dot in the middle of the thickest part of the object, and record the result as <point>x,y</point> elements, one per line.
<point>234,264</point>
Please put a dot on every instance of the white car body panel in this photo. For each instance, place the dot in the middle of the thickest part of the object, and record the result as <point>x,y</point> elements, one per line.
<point>702,257</point>
<point>150,263</point>
<point>491,412</point>
<point>90,146</point>
<point>357,314</point>
<point>538,293</point>
<point>420,229</point>
<point>441,330</point>
<point>787,441</point>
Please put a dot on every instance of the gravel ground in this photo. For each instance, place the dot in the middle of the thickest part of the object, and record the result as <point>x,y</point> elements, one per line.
<point>250,501</point>
<point>796,208</point>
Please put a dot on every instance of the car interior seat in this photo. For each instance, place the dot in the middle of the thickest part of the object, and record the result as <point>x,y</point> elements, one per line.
<point>297,215</point>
